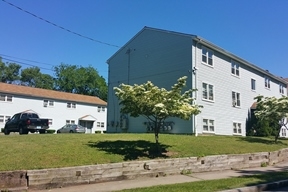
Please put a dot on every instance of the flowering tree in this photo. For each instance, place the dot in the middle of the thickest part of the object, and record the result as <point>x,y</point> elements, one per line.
<point>157,104</point>
<point>274,110</point>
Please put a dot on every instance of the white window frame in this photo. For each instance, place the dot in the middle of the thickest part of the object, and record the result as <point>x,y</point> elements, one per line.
<point>48,103</point>
<point>236,99</point>
<point>7,117</point>
<point>283,131</point>
<point>281,89</point>
<point>50,122</point>
<point>237,128</point>
<point>253,84</point>
<point>70,121</point>
<point>210,93</point>
<point>207,56</point>
<point>98,124</point>
<point>6,98</point>
<point>267,83</point>
<point>2,119</point>
<point>210,127</point>
<point>101,109</point>
<point>71,105</point>
<point>102,124</point>
<point>235,67</point>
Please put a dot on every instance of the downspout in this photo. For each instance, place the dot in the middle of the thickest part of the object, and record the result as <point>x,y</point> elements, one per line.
<point>194,74</point>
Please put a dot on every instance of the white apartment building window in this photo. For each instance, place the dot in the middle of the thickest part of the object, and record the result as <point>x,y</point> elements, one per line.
<point>48,103</point>
<point>235,68</point>
<point>4,119</point>
<point>207,92</point>
<point>237,128</point>
<point>101,109</point>
<point>284,132</point>
<point>235,99</point>
<point>281,88</point>
<point>50,122</point>
<point>208,125</point>
<point>71,105</point>
<point>102,124</point>
<point>207,56</point>
<point>253,84</point>
<point>267,82</point>
<point>70,121</point>
<point>98,124</point>
<point>7,98</point>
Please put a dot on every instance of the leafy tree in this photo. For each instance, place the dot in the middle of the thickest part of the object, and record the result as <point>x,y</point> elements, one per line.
<point>9,72</point>
<point>273,110</point>
<point>80,80</point>
<point>34,78</point>
<point>157,104</point>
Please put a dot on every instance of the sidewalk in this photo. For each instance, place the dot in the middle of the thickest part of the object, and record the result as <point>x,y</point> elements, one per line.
<point>173,179</point>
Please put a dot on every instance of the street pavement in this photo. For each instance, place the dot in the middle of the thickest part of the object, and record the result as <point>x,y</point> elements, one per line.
<point>173,179</point>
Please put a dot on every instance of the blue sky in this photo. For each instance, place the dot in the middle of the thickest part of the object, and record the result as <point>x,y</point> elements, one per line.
<point>255,30</point>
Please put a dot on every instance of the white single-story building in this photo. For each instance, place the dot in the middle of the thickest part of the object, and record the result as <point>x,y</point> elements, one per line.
<point>59,107</point>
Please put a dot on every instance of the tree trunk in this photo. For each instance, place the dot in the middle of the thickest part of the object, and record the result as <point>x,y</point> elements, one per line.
<point>277,134</point>
<point>156,131</point>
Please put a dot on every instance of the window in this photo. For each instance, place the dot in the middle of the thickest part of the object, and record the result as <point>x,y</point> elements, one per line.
<point>48,103</point>
<point>101,109</point>
<point>98,124</point>
<point>208,92</point>
<point>7,98</point>
<point>6,118</point>
<point>237,128</point>
<point>235,99</point>
<point>253,84</point>
<point>207,56</point>
<point>71,105</point>
<point>50,122</point>
<point>70,121</point>
<point>208,125</point>
<point>284,132</point>
<point>267,82</point>
<point>102,124</point>
<point>281,89</point>
<point>235,68</point>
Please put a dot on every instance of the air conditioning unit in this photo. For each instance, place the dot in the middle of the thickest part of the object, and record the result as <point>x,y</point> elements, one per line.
<point>234,103</point>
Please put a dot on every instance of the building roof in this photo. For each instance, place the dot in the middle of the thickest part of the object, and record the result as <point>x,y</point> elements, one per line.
<point>208,44</point>
<point>49,94</point>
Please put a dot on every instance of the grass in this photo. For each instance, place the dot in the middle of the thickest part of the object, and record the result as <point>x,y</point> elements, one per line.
<point>216,185</point>
<point>35,151</point>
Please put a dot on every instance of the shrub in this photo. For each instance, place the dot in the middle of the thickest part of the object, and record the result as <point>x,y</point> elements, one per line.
<point>2,130</point>
<point>50,131</point>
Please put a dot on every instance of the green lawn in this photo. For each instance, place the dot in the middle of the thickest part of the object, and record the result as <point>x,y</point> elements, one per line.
<point>38,151</point>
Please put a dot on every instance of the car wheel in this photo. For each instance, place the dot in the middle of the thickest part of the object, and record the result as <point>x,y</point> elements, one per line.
<point>70,131</point>
<point>6,131</point>
<point>23,131</point>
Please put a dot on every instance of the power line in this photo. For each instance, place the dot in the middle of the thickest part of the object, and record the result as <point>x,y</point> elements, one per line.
<point>63,28</point>
<point>11,60</point>
<point>25,59</point>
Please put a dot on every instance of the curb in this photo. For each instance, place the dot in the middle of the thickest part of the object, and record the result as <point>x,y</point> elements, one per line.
<point>16,189</point>
<point>261,187</point>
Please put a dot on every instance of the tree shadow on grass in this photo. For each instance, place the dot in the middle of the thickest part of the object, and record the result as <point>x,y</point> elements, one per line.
<point>263,140</point>
<point>131,150</point>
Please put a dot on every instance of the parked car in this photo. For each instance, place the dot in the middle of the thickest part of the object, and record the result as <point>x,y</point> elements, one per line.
<point>72,128</point>
<point>25,122</point>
